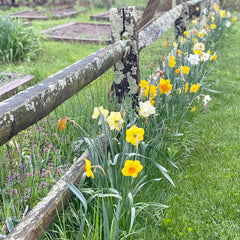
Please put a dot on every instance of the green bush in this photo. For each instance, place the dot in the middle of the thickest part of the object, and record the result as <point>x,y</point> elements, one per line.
<point>16,41</point>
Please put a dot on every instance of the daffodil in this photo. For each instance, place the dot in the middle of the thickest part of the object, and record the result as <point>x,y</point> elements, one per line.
<point>115,121</point>
<point>132,168</point>
<point>193,59</point>
<point>97,111</point>
<point>234,19</point>
<point>134,135</point>
<point>213,57</point>
<point>88,170</point>
<point>193,109</point>
<point>213,26</point>
<point>172,62</point>
<point>165,86</point>
<point>151,91</point>
<point>194,88</point>
<point>222,13</point>
<point>143,84</point>
<point>146,109</point>
<point>185,69</point>
<point>186,87</point>
<point>186,34</point>
<point>62,123</point>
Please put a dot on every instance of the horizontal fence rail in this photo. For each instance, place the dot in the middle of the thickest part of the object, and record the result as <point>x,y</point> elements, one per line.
<point>29,106</point>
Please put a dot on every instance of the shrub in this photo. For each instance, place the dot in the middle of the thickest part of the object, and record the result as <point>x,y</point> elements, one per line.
<point>16,41</point>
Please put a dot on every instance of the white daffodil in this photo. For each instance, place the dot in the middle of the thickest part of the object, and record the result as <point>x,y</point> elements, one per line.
<point>146,109</point>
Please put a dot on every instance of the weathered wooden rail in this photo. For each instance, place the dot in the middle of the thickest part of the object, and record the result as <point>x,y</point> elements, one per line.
<point>31,105</point>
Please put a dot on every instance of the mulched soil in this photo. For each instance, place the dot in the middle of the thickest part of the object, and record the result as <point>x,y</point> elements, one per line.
<point>83,30</point>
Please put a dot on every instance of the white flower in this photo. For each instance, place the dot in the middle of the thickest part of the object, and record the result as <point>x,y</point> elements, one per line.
<point>193,59</point>
<point>146,109</point>
<point>206,99</point>
<point>205,56</point>
<point>199,46</point>
<point>228,24</point>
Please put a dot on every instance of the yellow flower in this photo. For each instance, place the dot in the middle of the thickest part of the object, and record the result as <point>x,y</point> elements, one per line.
<point>222,13</point>
<point>207,26</point>
<point>194,88</point>
<point>198,51</point>
<point>131,168</point>
<point>179,52</point>
<point>216,8</point>
<point>185,69</point>
<point>234,19</point>
<point>181,40</point>
<point>165,86</point>
<point>115,121</point>
<point>201,34</point>
<point>151,91</point>
<point>194,40</point>
<point>193,109</point>
<point>134,135</point>
<point>175,44</point>
<point>213,26</point>
<point>177,71</point>
<point>212,19</point>
<point>62,123</point>
<point>88,170</point>
<point>197,9</point>
<point>143,84</point>
<point>172,62</point>
<point>97,111</point>
<point>186,87</point>
<point>186,34</point>
<point>214,57</point>
<point>209,52</point>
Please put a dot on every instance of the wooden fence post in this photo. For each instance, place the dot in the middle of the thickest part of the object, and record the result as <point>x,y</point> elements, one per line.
<point>126,71</point>
<point>181,24</point>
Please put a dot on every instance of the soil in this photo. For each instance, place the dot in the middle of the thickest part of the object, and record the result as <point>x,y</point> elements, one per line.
<point>78,31</point>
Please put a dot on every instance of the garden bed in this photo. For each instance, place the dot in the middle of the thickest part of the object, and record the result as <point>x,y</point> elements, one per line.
<point>12,83</point>
<point>80,32</point>
<point>57,13</point>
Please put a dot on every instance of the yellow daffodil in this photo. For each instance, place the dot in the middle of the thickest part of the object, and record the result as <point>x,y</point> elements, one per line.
<point>175,44</point>
<point>131,168</point>
<point>177,71</point>
<point>97,111</point>
<point>201,34</point>
<point>88,170</point>
<point>179,52</point>
<point>172,62</point>
<point>151,91</point>
<point>143,84</point>
<point>185,69</point>
<point>213,26</point>
<point>194,88</point>
<point>234,19</point>
<point>212,19</point>
<point>165,86</point>
<point>214,57</point>
<point>185,34</point>
<point>134,135</point>
<point>216,8</point>
<point>222,13</point>
<point>115,121</point>
<point>193,109</point>
<point>186,87</point>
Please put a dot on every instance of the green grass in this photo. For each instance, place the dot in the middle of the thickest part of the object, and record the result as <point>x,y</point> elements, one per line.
<point>205,203</point>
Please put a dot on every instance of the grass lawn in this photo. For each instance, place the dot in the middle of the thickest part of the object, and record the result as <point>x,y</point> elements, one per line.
<point>205,203</point>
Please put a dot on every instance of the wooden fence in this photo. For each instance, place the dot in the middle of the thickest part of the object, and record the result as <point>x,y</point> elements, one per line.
<point>27,107</point>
